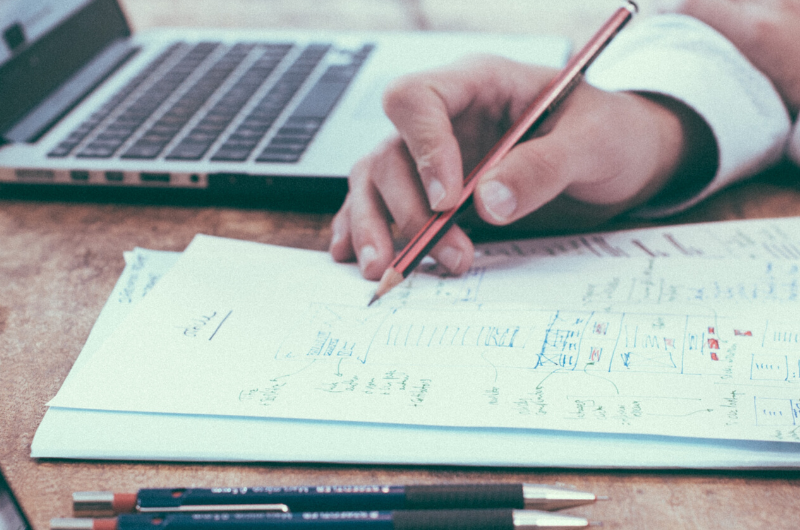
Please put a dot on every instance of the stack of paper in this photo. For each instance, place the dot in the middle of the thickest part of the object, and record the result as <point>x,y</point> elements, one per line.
<point>666,347</point>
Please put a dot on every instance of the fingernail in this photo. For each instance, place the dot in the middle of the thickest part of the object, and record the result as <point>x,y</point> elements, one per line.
<point>367,255</point>
<point>450,257</point>
<point>436,193</point>
<point>498,200</point>
<point>335,239</point>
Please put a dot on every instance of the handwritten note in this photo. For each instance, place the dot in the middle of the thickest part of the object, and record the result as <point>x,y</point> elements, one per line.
<point>746,239</point>
<point>640,345</point>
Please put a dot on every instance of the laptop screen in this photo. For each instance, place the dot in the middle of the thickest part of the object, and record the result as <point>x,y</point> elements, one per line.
<point>45,42</point>
<point>24,21</point>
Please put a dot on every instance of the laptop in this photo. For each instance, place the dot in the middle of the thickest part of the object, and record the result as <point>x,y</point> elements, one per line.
<point>87,105</point>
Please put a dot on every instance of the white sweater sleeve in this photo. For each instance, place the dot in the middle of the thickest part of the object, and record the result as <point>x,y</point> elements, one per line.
<point>685,59</point>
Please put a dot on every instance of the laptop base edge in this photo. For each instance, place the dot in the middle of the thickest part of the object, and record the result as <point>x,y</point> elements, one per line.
<point>307,194</point>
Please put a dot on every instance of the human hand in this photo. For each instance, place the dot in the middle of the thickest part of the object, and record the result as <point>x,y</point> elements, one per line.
<point>604,153</point>
<point>765,31</point>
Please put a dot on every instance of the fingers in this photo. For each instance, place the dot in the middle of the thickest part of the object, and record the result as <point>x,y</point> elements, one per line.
<point>424,107</point>
<point>608,149</point>
<point>526,179</point>
<point>535,172</point>
<point>423,121</point>
<point>384,187</point>
<point>394,178</point>
<point>440,117</point>
<point>341,246</point>
<point>363,213</point>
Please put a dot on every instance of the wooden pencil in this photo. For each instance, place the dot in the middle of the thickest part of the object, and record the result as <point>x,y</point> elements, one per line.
<point>541,107</point>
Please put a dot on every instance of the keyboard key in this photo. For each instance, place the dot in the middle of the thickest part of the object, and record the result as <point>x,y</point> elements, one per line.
<point>141,109</point>
<point>143,151</point>
<point>288,143</point>
<point>82,131</point>
<point>319,102</point>
<point>263,116</point>
<point>232,154</point>
<point>297,132</point>
<point>189,151</point>
<point>165,129</point>
<point>97,151</point>
<point>278,155</point>
<point>211,126</point>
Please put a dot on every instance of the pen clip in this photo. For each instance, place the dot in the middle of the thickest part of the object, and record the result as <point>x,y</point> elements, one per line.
<point>282,508</point>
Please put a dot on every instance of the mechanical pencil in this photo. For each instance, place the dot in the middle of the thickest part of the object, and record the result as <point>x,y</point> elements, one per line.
<point>330,498</point>
<point>349,520</point>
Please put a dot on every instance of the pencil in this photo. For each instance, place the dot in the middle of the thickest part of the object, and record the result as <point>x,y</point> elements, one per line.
<point>541,107</point>
<point>330,498</point>
<point>505,519</point>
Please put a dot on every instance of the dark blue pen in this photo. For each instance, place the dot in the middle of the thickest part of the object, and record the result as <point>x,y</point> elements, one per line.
<point>330,498</point>
<point>347,520</point>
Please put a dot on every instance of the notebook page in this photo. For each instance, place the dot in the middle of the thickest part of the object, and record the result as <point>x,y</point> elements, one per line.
<point>486,361</point>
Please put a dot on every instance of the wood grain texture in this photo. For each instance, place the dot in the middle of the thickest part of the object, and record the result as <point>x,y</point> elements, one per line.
<point>59,261</point>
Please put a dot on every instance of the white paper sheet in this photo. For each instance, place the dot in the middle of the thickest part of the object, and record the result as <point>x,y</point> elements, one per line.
<point>241,329</point>
<point>167,436</point>
<point>755,238</point>
<point>71,433</point>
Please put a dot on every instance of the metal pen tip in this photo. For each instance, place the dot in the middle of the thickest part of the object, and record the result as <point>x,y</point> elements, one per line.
<point>544,497</point>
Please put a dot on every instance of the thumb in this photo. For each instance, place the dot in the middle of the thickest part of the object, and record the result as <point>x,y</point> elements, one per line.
<point>424,107</point>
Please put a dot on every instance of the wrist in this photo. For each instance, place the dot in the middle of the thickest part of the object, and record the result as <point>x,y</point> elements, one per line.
<point>690,158</point>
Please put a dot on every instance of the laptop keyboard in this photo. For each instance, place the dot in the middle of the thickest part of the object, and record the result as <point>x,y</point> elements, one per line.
<point>248,134</point>
<point>187,104</point>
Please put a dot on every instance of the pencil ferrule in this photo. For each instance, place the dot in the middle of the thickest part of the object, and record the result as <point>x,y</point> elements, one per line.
<point>93,503</point>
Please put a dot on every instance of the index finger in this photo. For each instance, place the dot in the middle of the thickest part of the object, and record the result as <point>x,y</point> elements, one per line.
<point>418,108</point>
<point>424,106</point>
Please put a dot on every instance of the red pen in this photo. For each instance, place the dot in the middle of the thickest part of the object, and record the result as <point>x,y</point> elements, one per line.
<point>541,107</point>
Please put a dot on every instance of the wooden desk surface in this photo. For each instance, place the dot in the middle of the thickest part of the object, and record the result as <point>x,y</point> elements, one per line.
<point>59,261</point>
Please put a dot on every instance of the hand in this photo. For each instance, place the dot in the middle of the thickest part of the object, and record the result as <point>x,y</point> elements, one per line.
<point>765,31</point>
<point>601,154</point>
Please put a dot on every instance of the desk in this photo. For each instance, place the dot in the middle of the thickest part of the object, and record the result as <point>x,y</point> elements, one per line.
<point>59,261</point>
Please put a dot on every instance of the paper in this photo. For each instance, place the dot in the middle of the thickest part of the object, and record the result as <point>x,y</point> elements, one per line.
<point>75,433</point>
<point>60,435</point>
<point>143,269</point>
<point>758,238</point>
<point>241,329</point>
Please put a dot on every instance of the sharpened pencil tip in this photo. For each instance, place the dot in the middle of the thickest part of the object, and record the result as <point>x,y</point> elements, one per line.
<point>603,498</point>
<point>389,279</point>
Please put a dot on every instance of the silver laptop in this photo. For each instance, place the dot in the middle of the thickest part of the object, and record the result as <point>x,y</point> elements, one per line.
<point>85,104</point>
